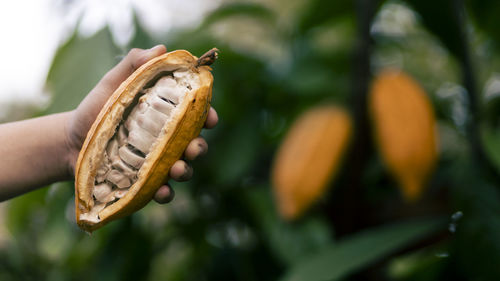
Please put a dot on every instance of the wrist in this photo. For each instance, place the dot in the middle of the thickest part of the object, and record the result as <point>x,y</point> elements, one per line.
<point>71,145</point>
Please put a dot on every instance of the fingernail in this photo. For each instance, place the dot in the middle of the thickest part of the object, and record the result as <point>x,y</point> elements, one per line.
<point>157,47</point>
<point>202,149</point>
<point>188,172</point>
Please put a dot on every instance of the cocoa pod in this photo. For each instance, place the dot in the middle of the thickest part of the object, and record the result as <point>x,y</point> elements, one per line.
<point>404,130</point>
<point>141,131</point>
<point>308,158</point>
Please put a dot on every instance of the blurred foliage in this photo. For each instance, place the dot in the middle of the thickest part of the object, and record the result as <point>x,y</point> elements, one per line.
<point>70,87</point>
<point>279,58</point>
<point>358,250</point>
<point>484,13</point>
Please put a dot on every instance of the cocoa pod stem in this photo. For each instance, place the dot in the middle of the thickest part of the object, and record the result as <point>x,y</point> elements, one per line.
<point>208,58</point>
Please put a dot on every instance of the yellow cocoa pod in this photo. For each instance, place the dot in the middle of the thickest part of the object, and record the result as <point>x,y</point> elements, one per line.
<point>308,158</point>
<point>404,129</point>
<point>144,127</point>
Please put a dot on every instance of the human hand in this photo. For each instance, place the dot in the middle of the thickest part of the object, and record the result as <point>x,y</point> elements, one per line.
<point>81,119</point>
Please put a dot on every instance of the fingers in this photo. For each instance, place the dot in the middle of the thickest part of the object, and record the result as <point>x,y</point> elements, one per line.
<point>164,194</point>
<point>195,148</point>
<point>212,118</point>
<point>134,59</point>
<point>181,171</point>
<point>137,57</point>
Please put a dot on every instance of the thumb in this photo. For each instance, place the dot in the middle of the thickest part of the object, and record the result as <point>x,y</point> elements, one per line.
<point>134,59</point>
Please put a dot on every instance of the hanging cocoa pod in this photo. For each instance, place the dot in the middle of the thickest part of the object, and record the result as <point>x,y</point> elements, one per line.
<point>141,131</point>
<point>404,129</point>
<point>308,158</point>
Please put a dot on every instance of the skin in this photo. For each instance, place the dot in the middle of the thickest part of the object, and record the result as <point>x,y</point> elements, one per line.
<point>40,151</point>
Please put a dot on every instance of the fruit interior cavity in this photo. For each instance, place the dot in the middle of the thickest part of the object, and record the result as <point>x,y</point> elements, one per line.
<point>142,123</point>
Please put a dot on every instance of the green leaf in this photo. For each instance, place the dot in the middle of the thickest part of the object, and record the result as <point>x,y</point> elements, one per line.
<point>360,250</point>
<point>423,265</point>
<point>77,67</point>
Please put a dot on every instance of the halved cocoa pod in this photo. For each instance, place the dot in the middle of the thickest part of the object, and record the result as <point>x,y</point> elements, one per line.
<point>141,131</point>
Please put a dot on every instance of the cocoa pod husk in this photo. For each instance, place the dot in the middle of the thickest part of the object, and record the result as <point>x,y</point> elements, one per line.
<point>309,158</point>
<point>404,129</point>
<point>183,126</point>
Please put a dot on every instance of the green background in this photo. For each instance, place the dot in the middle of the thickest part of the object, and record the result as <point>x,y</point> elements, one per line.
<point>277,59</point>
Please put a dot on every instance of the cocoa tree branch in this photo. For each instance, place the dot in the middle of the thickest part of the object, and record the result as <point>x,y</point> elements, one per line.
<point>349,214</point>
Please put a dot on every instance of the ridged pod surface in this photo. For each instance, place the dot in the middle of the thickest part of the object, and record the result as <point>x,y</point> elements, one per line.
<point>144,127</point>
<point>404,129</point>
<point>309,157</point>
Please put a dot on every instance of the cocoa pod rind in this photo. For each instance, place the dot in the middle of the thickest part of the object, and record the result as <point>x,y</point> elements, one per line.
<point>309,157</point>
<point>405,130</point>
<point>167,148</point>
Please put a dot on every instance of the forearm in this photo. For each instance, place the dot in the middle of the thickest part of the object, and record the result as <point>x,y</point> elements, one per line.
<point>34,153</point>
